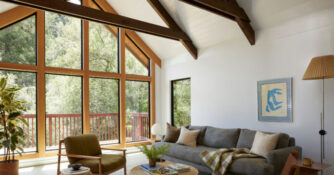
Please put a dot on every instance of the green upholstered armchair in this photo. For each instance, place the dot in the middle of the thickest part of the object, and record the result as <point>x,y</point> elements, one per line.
<point>85,149</point>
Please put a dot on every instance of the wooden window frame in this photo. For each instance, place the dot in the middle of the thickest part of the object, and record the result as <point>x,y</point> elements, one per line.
<point>172,97</point>
<point>20,12</point>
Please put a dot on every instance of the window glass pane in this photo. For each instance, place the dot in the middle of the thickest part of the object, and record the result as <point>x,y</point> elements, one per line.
<point>18,42</point>
<point>27,82</point>
<point>135,61</point>
<point>137,111</point>
<point>103,48</point>
<point>62,41</point>
<point>63,108</point>
<point>181,102</point>
<point>103,108</point>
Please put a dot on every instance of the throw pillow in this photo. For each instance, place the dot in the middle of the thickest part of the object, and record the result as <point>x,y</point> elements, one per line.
<point>264,143</point>
<point>172,133</point>
<point>188,137</point>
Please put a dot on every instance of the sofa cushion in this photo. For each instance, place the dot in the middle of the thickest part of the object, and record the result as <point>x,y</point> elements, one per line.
<point>200,138</point>
<point>188,137</point>
<point>258,166</point>
<point>264,143</point>
<point>172,133</point>
<point>186,153</point>
<point>221,138</point>
<point>246,138</point>
<point>283,141</point>
<point>109,162</point>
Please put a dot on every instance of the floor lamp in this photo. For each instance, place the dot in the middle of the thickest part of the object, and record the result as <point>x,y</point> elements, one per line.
<point>321,68</point>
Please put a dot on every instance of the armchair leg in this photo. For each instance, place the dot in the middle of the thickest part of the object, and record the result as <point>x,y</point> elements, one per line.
<point>125,169</point>
<point>59,156</point>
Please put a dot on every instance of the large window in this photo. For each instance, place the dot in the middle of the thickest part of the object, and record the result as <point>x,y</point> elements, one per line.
<point>18,42</point>
<point>181,102</point>
<point>63,108</point>
<point>70,72</point>
<point>104,107</point>
<point>137,111</point>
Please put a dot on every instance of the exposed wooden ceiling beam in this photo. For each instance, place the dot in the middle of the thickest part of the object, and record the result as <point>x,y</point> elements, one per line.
<point>162,12</point>
<point>230,10</point>
<point>63,7</point>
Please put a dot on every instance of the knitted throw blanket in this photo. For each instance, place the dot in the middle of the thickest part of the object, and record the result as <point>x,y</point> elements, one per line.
<point>220,160</point>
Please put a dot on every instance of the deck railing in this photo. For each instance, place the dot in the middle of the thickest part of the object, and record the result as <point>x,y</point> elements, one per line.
<point>104,125</point>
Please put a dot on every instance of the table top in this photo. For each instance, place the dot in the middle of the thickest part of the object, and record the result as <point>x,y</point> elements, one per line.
<point>69,171</point>
<point>138,171</point>
<point>315,166</point>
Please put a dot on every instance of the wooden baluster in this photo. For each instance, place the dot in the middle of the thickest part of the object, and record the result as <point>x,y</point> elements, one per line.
<point>108,127</point>
<point>58,130</point>
<point>63,126</point>
<point>99,126</point>
<point>103,128</point>
<point>71,132</point>
<point>66,127</point>
<point>31,140</point>
<point>50,131</point>
<point>33,134</point>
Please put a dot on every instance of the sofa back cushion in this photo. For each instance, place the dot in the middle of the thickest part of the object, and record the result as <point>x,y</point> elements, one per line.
<point>246,139</point>
<point>200,138</point>
<point>221,138</point>
<point>172,133</point>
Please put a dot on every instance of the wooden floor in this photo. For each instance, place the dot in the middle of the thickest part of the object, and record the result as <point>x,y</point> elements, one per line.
<point>133,160</point>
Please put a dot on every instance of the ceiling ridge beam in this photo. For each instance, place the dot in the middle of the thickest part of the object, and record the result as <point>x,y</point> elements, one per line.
<point>229,9</point>
<point>170,22</point>
<point>87,13</point>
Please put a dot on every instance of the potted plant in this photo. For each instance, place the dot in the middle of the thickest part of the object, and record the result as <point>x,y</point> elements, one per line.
<point>12,136</point>
<point>153,153</point>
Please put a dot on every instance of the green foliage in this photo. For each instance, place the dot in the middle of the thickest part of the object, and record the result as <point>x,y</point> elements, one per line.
<point>12,136</point>
<point>17,42</point>
<point>153,152</point>
<point>103,48</point>
<point>182,100</point>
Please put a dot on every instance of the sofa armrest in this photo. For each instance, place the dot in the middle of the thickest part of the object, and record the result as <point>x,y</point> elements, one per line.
<point>278,157</point>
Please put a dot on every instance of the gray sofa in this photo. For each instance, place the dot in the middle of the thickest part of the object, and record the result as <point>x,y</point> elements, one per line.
<point>211,138</point>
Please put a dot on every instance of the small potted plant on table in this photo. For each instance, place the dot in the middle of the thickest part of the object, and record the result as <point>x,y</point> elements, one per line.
<point>153,153</point>
<point>12,136</point>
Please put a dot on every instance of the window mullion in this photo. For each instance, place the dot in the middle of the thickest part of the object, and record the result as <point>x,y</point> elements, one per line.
<point>41,82</point>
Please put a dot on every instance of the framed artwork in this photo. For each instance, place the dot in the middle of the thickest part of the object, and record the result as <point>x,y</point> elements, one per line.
<point>274,100</point>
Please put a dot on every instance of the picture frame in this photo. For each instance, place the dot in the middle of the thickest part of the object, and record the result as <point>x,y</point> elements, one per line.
<point>275,100</point>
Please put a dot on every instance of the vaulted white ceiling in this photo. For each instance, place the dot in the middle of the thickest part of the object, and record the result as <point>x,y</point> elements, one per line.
<point>207,29</point>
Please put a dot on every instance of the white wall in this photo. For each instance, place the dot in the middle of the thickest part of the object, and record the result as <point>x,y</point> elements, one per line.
<point>224,81</point>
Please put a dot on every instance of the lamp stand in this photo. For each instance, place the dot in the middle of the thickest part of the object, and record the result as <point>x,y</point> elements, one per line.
<point>322,131</point>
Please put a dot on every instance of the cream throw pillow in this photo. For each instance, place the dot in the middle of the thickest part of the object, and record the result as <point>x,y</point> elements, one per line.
<point>188,137</point>
<point>264,143</point>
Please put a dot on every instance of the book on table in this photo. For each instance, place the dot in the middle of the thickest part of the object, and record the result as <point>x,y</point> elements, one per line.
<point>158,170</point>
<point>179,167</point>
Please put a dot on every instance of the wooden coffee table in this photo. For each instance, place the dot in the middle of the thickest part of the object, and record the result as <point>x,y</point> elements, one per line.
<point>138,171</point>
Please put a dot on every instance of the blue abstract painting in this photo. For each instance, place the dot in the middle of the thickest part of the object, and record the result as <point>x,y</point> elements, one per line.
<point>274,100</point>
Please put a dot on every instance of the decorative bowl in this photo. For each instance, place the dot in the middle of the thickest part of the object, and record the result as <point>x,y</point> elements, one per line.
<point>76,166</point>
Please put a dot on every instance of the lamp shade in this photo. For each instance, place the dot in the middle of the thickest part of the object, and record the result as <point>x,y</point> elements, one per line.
<point>156,129</point>
<point>320,68</point>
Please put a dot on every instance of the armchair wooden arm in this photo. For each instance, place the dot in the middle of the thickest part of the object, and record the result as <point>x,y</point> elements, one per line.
<point>80,156</point>
<point>116,149</point>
